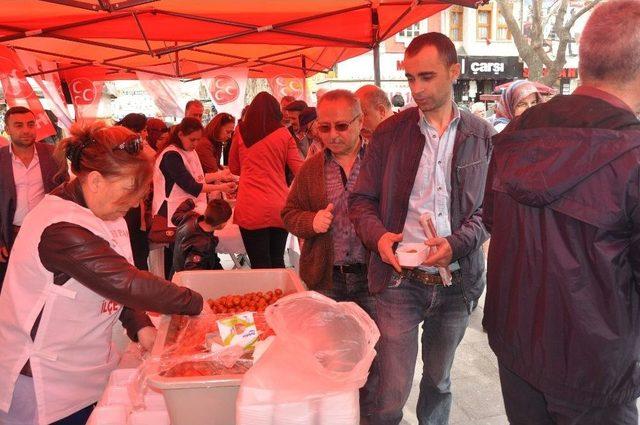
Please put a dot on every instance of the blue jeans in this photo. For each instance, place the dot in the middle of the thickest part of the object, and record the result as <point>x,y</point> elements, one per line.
<point>354,287</point>
<point>444,314</point>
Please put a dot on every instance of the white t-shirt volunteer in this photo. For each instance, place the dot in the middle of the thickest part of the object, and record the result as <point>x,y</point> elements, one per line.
<point>71,356</point>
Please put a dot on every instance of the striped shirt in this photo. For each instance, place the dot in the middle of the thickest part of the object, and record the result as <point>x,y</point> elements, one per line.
<point>347,247</point>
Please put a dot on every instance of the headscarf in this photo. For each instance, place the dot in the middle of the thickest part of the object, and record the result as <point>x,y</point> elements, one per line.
<point>517,91</point>
<point>263,118</point>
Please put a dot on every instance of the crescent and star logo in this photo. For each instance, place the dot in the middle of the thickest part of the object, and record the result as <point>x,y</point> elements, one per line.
<point>83,91</point>
<point>224,89</point>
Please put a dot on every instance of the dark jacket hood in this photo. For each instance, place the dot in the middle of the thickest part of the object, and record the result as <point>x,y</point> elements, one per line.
<point>538,166</point>
<point>538,163</point>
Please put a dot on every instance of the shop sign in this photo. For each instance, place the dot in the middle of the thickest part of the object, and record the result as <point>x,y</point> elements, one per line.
<point>490,67</point>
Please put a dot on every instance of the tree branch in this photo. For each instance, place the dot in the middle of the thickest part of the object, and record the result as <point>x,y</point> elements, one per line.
<point>571,22</point>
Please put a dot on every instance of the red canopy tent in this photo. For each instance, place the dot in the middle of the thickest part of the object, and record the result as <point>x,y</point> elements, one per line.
<point>111,39</point>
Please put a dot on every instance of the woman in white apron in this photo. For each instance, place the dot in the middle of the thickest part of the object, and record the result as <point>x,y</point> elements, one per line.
<point>70,277</point>
<point>178,175</point>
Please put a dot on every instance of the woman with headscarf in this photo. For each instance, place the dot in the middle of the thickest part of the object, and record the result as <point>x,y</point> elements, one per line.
<point>217,134</point>
<point>517,98</point>
<point>260,151</point>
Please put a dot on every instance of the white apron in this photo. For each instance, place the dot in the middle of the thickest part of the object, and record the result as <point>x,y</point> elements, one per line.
<point>72,356</point>
<point>177,195</point>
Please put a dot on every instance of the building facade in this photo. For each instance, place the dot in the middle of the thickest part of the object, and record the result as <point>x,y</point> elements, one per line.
<point>486,51</point>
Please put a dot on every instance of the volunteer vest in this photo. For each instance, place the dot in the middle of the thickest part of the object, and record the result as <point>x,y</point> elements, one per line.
<point>72,356</point>
<point>177,195</point>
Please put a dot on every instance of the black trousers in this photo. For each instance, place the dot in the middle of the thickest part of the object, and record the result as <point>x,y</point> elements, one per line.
<point>3,271</point>
<point>138,238</point>
<point>525,405</point>
<point>265,247</point>
<point>79,418</point>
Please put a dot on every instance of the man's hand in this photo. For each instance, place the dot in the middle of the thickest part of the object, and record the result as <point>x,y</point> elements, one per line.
<point>4,254</point>
<point>385,249</point>
<point>323,219</point>
<point>147,336</point>
<point>441,255</point>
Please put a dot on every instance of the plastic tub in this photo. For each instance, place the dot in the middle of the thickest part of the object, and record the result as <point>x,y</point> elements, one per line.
<point>212,400</point>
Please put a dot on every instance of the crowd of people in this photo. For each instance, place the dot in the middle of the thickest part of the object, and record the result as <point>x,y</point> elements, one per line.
<point>553,184</point>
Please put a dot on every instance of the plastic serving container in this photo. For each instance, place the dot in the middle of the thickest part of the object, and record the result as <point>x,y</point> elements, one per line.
<point>412,254</point>
<point>211,400</point>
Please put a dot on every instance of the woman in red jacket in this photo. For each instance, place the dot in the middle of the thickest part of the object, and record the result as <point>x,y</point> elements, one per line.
<point>260,152</point>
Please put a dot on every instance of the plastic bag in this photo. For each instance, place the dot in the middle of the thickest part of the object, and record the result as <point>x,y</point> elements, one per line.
<point>195,348</point>
<point>322,351</point>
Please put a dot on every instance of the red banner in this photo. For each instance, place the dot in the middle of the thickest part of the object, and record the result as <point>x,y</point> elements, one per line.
<point>85,94</point>
<point>287,85</point>
<point>227,88</point>
<point>18,91</point>
<point>49,84</point>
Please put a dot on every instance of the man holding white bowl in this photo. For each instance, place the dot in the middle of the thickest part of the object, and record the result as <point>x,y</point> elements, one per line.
<point>433,159</point>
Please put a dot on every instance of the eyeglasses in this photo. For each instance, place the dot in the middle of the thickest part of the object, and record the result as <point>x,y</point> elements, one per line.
<point>131,146</point>
<point>339,126</point>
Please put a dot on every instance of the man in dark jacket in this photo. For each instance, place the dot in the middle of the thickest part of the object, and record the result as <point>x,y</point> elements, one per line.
<point>27,172</point>
<point>434,159</point>
<point>195,244</point>
<point>563,208</point>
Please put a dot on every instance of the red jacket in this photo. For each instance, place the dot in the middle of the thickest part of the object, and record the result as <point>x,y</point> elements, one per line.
<point>263,188</point>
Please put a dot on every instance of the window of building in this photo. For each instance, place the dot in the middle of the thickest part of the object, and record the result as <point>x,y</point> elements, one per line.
<point>410,32</point>
<point>455,23</point>
<point>502,30</point>
<point>483,24</point>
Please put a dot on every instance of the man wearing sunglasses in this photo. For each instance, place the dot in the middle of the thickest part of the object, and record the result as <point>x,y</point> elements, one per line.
<point>433,159</point>
<point>333,259</point>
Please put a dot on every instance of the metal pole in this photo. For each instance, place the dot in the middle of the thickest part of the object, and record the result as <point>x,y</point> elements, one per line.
<point>376,64</point>
<point>375,27</point>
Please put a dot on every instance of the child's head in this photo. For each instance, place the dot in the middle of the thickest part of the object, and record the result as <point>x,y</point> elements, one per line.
<point>217,214</point>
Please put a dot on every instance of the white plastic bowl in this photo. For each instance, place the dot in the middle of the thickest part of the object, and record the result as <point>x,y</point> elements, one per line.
<point>412,254</point>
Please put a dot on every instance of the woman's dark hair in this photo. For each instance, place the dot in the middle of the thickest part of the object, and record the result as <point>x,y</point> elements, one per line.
<point>155,128</point>
<point>134,122</point>
<point>104,149</point>
<point>187,126</point>
<point>212,129</point>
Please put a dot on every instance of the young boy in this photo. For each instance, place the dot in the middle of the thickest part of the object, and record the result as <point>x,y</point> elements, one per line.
<point>195,244</point>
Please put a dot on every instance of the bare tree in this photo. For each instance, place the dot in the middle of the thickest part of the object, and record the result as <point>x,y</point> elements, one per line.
<point>533,47</point>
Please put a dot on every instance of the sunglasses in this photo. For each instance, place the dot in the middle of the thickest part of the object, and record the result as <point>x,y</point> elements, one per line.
<point>131,146</point>
<point>339,126</point>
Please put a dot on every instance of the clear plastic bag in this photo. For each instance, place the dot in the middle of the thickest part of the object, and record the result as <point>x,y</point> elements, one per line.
<point>322,350</point>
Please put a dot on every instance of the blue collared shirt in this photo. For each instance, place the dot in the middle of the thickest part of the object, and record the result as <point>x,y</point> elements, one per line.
<point>432,186</point>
